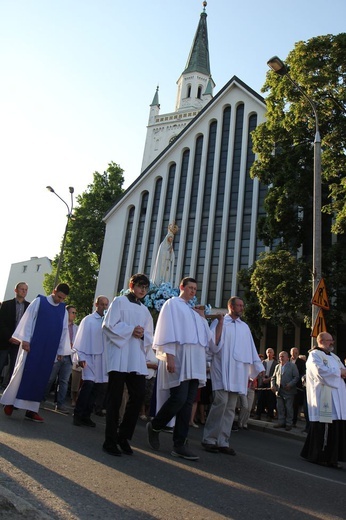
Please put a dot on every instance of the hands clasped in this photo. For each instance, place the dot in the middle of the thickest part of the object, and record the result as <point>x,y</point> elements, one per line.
<point>138,332</point>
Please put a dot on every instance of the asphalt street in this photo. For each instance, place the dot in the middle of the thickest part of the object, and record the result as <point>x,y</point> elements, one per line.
<point>59,471</point>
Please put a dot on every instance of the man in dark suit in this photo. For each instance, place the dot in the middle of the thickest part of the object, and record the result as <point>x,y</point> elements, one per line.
<point>299,397</point>
<point>284,386</point>
<point>11,312</point>
<point>266,399</point>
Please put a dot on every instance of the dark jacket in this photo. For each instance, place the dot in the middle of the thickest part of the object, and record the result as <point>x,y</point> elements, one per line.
<point>8,321</point>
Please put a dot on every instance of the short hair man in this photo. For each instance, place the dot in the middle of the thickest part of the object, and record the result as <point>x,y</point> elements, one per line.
<point>11,312</point>
<point>236,361</point>
<point>90,347</point>
<point>326,395</point>
<point>128,330</point>
<point>284,386</point>
<point>43,333</point>
<point>182,337</point>
<point>62,367</point>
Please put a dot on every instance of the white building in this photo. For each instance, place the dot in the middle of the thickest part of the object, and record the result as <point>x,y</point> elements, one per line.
<point>31,272</point>
<point>196,174</point>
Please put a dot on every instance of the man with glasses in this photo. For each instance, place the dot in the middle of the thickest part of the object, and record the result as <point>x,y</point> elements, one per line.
<point>128,331</point>
<point>326,396</point>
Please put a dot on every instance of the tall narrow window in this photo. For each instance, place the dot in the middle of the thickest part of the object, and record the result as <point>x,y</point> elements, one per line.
<point>153,224</point>
<point>215,251</point>
<point>140,231</point>
<point>122,282</point>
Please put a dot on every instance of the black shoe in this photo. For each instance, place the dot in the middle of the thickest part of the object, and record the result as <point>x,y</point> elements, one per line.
<point>88,422</point>
<point>153,437</point>
<point>112,450</point>
<point>77,421</point>
<point>227,450</point>
<point>124,445</point>
<point>212,448</point>
<point>83,421</point>
<point>184,453</point>
<point>235,427</point>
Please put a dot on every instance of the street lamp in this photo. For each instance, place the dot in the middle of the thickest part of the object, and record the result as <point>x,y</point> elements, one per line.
<point>69,215</point>
<point>280,68</point>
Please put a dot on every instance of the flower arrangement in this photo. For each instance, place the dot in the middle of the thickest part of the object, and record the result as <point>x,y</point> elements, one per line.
<point>157,295</point>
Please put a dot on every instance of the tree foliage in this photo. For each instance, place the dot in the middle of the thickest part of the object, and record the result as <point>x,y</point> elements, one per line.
<point>284,143</point>
<point>84,242</point>
<point>283,288</point>
<point>252,313</point>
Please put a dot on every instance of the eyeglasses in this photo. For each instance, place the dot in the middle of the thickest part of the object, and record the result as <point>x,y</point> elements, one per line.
<point>72,312</point>
<point>142,286</point>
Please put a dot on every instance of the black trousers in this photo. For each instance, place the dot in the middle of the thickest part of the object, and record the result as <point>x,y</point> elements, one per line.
<point>136,387</point>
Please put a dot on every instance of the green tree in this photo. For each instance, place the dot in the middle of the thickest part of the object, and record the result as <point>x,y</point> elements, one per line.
<point>284,148</point>
<point>252,313</point>
<point>283,288</point>
<point>84,242</point>
<point>284,143</point>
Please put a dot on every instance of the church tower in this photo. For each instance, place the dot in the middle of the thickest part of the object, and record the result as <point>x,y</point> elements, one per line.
<point>195,90</point>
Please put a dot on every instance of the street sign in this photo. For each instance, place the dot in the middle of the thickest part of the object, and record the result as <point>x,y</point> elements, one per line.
<point>320,297</point>
<point>319,325</point>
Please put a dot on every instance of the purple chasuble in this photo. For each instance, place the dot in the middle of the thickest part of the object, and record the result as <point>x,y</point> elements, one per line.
<point>43,348</point>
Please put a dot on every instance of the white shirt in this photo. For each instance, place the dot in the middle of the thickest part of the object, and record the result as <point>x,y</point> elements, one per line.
<point>182,332</point>
<point>89,344</point>
<point>124,352</point>
<point>237,359</point>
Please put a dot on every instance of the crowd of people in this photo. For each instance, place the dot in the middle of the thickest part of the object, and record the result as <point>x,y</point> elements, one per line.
<point>187,372</point>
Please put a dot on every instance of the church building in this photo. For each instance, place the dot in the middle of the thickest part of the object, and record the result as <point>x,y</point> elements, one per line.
<point>195,174</point>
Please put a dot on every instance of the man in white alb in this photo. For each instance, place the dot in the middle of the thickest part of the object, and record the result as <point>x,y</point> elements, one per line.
<point>182,337</point>
<point>232,366</point>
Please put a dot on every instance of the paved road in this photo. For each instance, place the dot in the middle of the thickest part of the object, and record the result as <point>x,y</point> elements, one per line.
<point>60,471</point>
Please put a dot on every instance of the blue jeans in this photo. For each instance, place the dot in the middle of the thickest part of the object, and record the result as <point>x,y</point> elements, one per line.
<point>61,369</point>
<point>179,404</point>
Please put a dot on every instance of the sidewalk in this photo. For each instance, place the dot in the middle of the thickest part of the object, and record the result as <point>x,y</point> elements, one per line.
<point>268,427</point>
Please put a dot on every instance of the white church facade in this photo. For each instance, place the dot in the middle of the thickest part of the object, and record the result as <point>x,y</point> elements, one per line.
<point>196,174</point>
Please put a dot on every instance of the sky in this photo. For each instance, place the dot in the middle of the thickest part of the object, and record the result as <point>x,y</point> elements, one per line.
<point>77,78</point>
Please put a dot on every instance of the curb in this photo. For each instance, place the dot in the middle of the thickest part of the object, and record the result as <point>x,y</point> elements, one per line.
<point>267,427</point>
<point>12,506</point>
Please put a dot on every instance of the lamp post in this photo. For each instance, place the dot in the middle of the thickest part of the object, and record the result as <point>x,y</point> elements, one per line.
<point>69,215</point>
<point>280,68</point>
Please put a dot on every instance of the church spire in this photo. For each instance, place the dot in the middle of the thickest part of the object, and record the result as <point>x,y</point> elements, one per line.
<point>195,85</point>
<point>198,60</point>
<point>155,101</point>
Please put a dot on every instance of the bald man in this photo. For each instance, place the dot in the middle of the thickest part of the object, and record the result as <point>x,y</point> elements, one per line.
<point>326,396</point>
